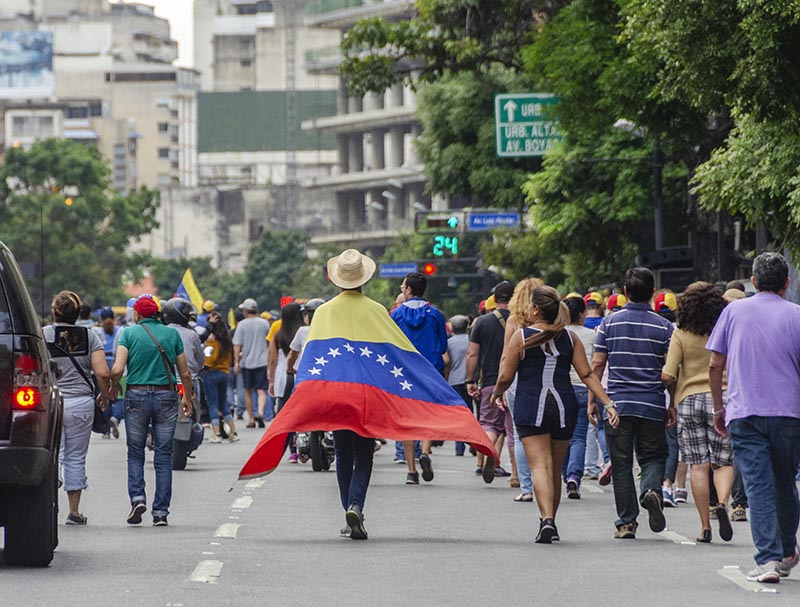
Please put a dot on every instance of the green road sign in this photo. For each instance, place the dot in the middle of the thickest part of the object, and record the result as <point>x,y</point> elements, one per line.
<point>523,124</point>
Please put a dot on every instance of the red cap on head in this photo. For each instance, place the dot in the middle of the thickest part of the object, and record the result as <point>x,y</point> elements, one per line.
<point>286,300</point>
<point>147,306</point>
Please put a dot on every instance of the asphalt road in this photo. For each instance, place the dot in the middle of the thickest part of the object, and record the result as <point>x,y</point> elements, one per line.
<point>455,541</point>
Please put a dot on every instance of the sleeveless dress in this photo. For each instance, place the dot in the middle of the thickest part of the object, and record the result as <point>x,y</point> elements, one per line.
<point>545,401</point>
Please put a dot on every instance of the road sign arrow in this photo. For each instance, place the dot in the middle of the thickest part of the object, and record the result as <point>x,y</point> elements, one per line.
<point>510,107</point>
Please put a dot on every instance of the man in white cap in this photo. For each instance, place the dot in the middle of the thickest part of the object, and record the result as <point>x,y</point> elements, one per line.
<point>250,359</point>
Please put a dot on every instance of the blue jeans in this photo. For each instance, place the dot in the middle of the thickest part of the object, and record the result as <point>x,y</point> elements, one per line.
<point>236,392</point>
<point>216,387</point>
<point>144,408</point>
<point>576,452</point>
<point>646,437</point>
<point>400,454</point>
<point>671,467</point>
<point>767,452</point>
<point>354,456</point>
<point>115,409</point>
<point>523,468</point>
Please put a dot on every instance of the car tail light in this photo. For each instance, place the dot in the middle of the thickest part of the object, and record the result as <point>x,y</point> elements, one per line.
<point>28,381</point>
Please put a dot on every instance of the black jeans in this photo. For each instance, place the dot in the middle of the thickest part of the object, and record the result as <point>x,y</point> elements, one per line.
<point>354,455</point>
<point>647,438</point>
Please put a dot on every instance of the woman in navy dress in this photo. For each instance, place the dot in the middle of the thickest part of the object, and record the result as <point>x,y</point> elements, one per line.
<point>546,410</point>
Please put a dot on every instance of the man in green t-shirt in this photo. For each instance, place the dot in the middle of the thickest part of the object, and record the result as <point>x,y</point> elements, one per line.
<point>150,399</point>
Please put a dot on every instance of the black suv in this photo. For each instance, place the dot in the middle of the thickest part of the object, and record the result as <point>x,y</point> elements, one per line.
<point>31,410</point>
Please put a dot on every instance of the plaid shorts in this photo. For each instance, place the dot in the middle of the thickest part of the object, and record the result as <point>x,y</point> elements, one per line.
<point>698,442</point>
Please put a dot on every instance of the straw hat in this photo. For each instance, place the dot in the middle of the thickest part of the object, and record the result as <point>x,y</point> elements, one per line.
<point>350,269</point>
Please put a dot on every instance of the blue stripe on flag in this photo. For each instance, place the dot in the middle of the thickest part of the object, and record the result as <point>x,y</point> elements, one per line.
<point>382,365</point>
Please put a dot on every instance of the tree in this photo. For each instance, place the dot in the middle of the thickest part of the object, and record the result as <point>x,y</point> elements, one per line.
<point>59,215</point>
<point>734,61</point>
<point>271,266</point>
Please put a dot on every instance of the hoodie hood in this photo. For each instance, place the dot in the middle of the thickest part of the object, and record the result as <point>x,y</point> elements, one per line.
<point>414,311</point>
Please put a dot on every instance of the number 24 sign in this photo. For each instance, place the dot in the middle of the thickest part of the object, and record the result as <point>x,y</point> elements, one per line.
<point>445,245</point>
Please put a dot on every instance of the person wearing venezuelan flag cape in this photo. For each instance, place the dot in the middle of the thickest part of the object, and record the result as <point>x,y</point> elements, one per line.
<point>360,377</point>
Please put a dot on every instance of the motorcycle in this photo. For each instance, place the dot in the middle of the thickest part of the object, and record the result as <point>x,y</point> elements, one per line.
<point>188,432</point>
<point>316,446</point>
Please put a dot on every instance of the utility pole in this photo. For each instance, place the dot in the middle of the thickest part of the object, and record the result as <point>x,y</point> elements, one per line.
<point>290,51</point>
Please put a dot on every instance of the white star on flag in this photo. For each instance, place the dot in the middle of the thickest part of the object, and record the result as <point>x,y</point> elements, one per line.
<point>315,371</point>
<point>321,361</point>
<point>349,348</point>
<point>405,385</point>
<point>334,352</point>
<point>383,360</point>
<point>365,351</point>
<point>397,371</point>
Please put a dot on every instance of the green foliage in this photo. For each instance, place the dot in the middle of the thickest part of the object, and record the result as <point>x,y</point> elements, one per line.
<point>83,243</point>
<point>448,36</point>
<point>458,141</point>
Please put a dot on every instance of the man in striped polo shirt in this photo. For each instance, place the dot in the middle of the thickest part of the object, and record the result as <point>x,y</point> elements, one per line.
<point>634,343</point>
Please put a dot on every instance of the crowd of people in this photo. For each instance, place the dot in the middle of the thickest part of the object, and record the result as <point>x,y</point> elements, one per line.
<point>609,387</point>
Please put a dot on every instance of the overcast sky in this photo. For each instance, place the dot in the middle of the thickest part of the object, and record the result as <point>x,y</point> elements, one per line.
<point>179,13</point>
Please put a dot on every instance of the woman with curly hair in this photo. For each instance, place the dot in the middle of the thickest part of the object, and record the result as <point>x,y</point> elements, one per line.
<point>686,367</point>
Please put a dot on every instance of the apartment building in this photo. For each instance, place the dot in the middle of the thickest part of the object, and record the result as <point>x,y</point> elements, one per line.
<point>378,180</point>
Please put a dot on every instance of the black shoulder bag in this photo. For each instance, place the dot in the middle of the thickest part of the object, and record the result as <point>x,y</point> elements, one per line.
<point>162,352</point>
<point>99,423</point>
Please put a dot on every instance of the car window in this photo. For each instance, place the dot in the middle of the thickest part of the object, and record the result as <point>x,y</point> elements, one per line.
<point>5,317</point>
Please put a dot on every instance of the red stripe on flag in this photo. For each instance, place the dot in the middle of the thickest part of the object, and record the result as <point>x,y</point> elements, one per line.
<point>367,411</point>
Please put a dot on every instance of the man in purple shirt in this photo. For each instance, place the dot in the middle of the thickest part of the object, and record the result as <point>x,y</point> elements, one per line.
<point>758,339</point>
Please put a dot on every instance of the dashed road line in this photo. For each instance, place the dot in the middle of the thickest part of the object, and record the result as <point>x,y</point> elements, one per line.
<point>254,484</point>
<point>207,572</point>
<point>242,503</point>
<point>228,530</point>
<point>735,575</point>
<point>676,538</point>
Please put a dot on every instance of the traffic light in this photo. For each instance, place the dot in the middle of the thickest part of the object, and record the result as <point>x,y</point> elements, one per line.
<point>429,269</point>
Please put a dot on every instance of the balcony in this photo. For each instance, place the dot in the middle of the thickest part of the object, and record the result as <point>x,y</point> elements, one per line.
<point>365,180</point>
<point>343,14</point>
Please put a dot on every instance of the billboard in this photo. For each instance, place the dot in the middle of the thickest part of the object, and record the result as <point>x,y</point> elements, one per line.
<point>26,64</point>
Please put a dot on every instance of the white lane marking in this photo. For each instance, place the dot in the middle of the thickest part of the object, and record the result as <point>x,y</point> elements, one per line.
<point>254,484</point>
<point>242,503</point>
<point>592,489</point>
<point>214,544</point>
<point>207,553</point>
<point>735,575</point>
<point>207,572</point>
<point>228,530</point>
<point>233,518</point>
<point>676,538</point>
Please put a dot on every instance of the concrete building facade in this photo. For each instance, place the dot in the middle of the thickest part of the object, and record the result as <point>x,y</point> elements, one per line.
<point>378,180</point>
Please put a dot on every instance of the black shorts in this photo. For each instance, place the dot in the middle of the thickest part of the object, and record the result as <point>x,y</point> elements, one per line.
<point>551,424</point>
<point>255,379</point>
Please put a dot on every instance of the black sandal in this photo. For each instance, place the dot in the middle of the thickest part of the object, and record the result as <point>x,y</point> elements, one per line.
<point>705,537</point>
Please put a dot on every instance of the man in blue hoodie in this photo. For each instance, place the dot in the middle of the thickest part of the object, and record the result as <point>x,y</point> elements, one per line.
<point>424,326</point>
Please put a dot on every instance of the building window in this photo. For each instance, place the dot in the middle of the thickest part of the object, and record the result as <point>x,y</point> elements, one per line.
<point>163,127</point>
<point>79,111</point>
<point>163,152</point>
<point>245,62</point>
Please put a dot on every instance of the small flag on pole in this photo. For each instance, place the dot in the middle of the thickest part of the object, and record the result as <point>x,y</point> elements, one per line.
<point>231,318</point>
<point>187,288</point>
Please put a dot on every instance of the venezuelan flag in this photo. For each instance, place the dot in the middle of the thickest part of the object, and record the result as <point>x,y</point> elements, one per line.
<point>187,288</point>
<point>360,372</point>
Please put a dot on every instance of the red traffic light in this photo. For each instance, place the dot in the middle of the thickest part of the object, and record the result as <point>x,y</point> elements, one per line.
<point>429,269</point>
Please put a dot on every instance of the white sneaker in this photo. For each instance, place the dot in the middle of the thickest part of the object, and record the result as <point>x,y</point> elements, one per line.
<point>788,563</point>
<point>215,438</point>
<point>232,438</point>
<point>766,574</point>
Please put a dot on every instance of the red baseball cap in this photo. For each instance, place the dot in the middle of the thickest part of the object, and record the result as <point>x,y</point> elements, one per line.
<point>147,305</point>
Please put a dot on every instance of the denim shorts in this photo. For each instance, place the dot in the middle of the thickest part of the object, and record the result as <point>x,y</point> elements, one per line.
<point>255,379</point>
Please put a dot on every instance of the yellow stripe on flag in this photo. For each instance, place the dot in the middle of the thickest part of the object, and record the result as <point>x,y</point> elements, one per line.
<point>231,318</point>
<point>191,289</point>
<point>351,315</point>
